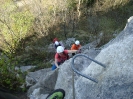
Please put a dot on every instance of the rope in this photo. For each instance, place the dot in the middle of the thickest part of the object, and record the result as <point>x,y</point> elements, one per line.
<point>74,70</point>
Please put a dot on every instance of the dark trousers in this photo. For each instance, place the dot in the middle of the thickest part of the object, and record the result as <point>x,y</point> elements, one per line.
<point>73,54</point>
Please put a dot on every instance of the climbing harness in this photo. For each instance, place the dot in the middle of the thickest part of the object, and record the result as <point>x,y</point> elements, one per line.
<point>76,71</point>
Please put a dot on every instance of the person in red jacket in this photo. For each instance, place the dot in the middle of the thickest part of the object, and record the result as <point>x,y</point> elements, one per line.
<point>61,55</point>
<point>76,46</point>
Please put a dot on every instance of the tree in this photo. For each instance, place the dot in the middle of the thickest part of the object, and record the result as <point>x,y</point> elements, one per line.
<point>14,26</point>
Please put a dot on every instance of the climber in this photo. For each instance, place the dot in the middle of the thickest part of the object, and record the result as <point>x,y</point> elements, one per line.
<point>76,46</point>
<point>56,44</point>
<point>55,39</point>
<point>56,94</point>
<point>61,55</point>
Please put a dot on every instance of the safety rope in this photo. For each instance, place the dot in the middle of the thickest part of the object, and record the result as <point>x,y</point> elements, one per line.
<point>83,75</point>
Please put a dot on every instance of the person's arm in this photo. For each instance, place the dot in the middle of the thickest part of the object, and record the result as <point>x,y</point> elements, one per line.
<point>56,63</point>
<point>72,51</point>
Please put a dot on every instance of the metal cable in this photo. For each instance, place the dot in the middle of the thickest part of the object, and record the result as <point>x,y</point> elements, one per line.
<point>75,70</point>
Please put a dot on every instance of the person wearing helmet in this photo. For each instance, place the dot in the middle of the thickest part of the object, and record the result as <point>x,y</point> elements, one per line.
<point>61,55</point>
<point>75,46</point>
<point>55,39</point>
<point>56,44</point>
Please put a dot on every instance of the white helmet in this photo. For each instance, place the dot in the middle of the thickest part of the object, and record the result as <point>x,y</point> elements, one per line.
<point>77,42</point>
<point>60,49</point>
<point>56,43</point>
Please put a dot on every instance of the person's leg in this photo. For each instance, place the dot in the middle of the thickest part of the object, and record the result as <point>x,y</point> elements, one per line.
<point>56,94</point>
<point>73,54</point>
<point>54,66</point>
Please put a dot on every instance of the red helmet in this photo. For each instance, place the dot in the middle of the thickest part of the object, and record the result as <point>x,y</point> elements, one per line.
<point>55,39</point>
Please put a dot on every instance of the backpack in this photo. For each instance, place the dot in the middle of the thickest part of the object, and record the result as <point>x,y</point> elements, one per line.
<point>57,45</point>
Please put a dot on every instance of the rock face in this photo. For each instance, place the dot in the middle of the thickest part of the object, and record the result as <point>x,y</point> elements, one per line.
<point>114,82</point>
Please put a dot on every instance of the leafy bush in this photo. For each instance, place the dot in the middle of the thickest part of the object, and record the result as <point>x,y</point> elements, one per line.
<point>14,26</point>
<point>10,78</point>
<point>71,4</point>
<point>106,24</point>
<point>88,2</point>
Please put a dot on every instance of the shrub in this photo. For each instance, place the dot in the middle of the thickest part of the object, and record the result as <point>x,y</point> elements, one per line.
<point>10,78</point>
<point>14,26</point>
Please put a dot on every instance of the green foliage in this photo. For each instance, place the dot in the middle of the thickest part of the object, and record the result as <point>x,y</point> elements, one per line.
<point>7,5</point>
<point>50,9</point>
<point>14,27</point>
<point>35,56</point>
<point>107,24</point>
<point>71,4</point>
<point>88,2</point>
<point>10,78</point>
